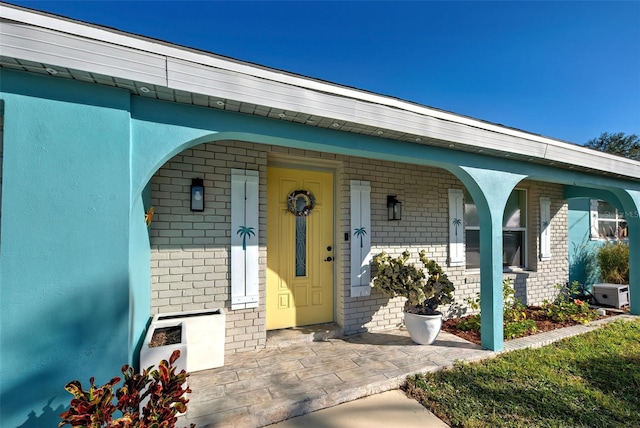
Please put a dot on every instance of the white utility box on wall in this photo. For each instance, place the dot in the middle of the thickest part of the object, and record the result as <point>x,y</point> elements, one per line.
<point>616,295</point>
<point>202,340</point>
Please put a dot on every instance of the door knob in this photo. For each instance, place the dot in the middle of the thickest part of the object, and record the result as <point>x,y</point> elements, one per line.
<point>328,259</point>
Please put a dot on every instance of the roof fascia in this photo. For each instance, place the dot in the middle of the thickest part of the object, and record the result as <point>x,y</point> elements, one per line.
<point>362,101</point>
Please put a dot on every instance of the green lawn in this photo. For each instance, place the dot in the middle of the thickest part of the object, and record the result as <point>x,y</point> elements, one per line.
<point>592,380</point>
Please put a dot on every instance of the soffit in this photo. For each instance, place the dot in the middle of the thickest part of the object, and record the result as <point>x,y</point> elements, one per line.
<point>255,90</point>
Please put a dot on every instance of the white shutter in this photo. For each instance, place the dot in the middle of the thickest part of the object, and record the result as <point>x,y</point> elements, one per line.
<point>360,235</point>
<point>545,228</point>
<point>244,239</point>
<point>456,227</point>
<point>593,218</point>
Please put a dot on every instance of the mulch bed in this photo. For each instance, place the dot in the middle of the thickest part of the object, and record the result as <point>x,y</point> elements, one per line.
<point>533,312</point>
<point>166,336</point>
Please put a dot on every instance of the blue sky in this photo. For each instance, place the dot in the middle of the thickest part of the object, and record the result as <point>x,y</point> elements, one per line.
<point>568,70</point>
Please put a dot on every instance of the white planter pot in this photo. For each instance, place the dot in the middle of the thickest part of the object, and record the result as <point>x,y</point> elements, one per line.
<point>152,356</point>
<point>423,329</point>
<point>202,344</point>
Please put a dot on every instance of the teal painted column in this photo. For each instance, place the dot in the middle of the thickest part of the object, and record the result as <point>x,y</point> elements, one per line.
<point>631,203</point>
<point>139,276</point>
<point>490,191</point>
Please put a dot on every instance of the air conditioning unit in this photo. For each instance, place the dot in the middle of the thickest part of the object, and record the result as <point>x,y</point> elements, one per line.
<point>616,295</point>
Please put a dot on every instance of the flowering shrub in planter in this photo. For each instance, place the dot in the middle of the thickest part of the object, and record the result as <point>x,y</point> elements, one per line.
<point>396,276</point>
<point>424,288</point>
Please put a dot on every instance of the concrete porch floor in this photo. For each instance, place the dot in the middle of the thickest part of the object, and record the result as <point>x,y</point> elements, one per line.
<point>259,388</point>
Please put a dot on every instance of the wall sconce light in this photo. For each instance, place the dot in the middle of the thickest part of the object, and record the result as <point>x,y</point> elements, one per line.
<point>395,208</point>
<point>197,194</point>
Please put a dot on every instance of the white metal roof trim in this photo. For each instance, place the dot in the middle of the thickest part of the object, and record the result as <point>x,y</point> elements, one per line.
<point>379,105</point>
<point>224,84</point>
<point>58,49</point>
<point>606,164</point>
<point>221,83</point>
<point>206,58</point>
<point>386,117</point>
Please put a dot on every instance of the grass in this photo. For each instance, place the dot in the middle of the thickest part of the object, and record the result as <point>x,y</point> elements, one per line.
<point>591,380</point>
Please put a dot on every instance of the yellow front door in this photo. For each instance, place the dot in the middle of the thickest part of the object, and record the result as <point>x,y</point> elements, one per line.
<point>299,247</point>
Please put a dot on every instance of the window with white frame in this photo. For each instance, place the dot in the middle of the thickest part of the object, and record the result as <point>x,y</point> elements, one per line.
<point>607,222</point>
<point>514,231</point>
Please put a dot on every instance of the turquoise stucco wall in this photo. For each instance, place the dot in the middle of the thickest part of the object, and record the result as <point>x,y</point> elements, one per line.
<point>582,249</point>
<point>583,266</point>
<point>630,204</point>
<point>74,260</point>
<point>64,257</point>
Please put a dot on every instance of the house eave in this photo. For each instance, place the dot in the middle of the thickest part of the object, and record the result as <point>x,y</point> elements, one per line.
<point>34,41</point>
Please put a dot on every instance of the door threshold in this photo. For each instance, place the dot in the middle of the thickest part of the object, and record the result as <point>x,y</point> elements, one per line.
<point>297,335</point>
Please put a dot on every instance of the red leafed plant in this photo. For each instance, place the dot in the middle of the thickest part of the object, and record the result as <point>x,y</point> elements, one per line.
<point>151,399</point>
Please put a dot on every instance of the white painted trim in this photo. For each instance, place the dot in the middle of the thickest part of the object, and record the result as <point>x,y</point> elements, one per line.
<point>244,261</point>
<point>456,228</point>
<point>525,229</point>
<point>593,219</point>
<point>545,228</point>
<point>360,194</point>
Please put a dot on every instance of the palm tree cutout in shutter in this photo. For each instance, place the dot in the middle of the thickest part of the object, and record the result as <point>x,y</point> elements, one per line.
<point>359,233</point>
<point>457,222</point>
<point>245,232</point>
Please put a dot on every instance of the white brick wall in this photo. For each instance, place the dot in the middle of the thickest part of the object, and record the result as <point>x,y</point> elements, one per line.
<point>190,251</point>
<point>548,273</point>
<point>423,192</point>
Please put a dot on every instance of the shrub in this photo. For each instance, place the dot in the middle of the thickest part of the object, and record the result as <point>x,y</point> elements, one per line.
<point>151,399</point>
<point>613,260</point>
<point>395,276</point>
<point>569,307</point>
<point>515,321</point>
<point>575,310</point>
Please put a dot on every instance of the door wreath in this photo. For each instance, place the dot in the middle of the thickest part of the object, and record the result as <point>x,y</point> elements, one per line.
<point>310,203</point>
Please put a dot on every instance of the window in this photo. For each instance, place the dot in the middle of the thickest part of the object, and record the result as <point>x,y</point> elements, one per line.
<point>607,222</point>
<point>514,231</point>
<point>472,232</point>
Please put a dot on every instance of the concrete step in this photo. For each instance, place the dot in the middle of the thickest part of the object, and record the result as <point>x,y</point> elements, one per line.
<point>297,335</point>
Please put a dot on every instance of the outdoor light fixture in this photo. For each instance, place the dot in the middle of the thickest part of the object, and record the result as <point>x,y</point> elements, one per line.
<point>197,194</point>
<point>395,208</point>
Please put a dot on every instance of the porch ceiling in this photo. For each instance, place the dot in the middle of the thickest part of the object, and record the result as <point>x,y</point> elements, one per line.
<point>149,68</point>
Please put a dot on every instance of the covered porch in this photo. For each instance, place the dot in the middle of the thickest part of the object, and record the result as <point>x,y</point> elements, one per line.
<point>90,120</point>
<point>285,380</point>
